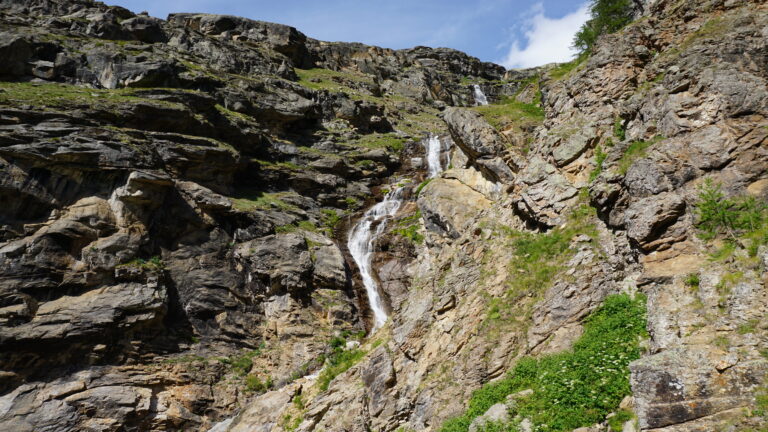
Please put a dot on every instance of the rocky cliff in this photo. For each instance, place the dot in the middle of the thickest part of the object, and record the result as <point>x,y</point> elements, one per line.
<point>178,195</point>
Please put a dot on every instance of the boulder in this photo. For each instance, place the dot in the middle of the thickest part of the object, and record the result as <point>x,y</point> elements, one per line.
<point>687,383</point>
<point>647,218</point>
<point>482,144</point>
<point>15,52</point>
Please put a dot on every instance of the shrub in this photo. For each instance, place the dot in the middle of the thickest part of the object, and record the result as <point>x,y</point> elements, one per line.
<point>619,130</point>
<point>693,280</point>
<point>600,156</point>
<point>254,384</point>
<point>338,363</point>
<point>742,216</point>
<point>635,151</point>
<point>576,388</point>
<point>606,16</point>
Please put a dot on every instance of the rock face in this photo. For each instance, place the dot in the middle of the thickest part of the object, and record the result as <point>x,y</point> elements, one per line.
<point>177,196</point>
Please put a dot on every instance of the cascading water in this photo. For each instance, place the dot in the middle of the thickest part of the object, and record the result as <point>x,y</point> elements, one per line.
<point>480,98</point>
<point>434,151</point>
<point>360,244</point>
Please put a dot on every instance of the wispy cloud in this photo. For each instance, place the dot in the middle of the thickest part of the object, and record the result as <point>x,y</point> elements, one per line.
<point>547,39</point>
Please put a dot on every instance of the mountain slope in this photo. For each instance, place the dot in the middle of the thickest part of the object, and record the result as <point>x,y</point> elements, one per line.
<point>179,194</point>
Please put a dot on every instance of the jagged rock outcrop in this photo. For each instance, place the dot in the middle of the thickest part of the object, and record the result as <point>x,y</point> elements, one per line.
<point>177,196</point>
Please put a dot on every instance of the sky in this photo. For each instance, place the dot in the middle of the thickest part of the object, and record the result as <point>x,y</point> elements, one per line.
<point>513,33</point>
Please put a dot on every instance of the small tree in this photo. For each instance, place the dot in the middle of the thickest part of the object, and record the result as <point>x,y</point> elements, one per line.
<point>607,16</point>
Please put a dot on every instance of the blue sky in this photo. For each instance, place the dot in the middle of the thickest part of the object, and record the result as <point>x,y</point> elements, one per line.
<point>515,33</point>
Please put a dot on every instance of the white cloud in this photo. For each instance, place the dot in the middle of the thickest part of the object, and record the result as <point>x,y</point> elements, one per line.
<point>548,40</point>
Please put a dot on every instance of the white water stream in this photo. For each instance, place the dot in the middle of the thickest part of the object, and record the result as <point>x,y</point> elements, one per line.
<point>434,152</point>
<point>360,243</point>
<point>480,98</point>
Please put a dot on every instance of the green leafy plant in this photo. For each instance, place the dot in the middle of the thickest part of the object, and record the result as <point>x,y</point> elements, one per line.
<point>693,280</point>
<point>619,130</point>
<point>717,214</point>
<point>422,185</point>
<point>606,16</point>
<point>337,364</point>
<point>408,227</point>
<point>635,151</point>
<point>329,218</point>
<point>255,384</point>
<point>616,422</point>
<point>600,156</point>
<point>576,388</point>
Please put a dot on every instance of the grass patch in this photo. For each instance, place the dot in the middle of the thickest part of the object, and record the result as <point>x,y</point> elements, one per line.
<point>337,365</point>
<point>377,140</point>
<point>576,388</point>
<point>408,228</point>
<point>619,130</point>
<point>64,95</point>
<point>600,156</point>
<point>616,422</point>
<point>422,185</point>
<point>249,201</point>
<point>241,364</point>
<point>326,79</point>
<point>254,384</point>
<point>693,280</point>
<point>155,263</point>
<point>511,113</point>
<point>564,69</point>
<point>749,326</point>
<point>635,151</point>
<point>538,258</point>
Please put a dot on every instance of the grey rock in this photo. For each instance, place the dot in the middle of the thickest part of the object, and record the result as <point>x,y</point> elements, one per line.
<point>647,218</point>
<point>677,385</point>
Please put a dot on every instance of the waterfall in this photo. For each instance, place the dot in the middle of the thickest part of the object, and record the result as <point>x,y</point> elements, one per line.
<point>360,244</point>
<point>480,98</point>
<point>434,151</point>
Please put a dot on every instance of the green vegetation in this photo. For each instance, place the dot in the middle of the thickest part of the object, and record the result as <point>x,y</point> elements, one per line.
<point>576,388</point>
<point>338,364</point>
<point>422,185</point>
<point>246,200</point>
<point>616,422</point>
<point>303,225</point>
<point>291,423</point>
<point>408,227</point>
<point>329,218</point>
<point>749,326</point>
<point>741,219</point>
<point>693,280</point>
<point>335,81</point>
<point>378,140</point>
<point>155,263</point>
<point>606,16</point>
<point>600,156</point>
<point>538,259</point>
<point>233,116</point>
<point>255,384</point>
<point>511,113</point>
<point>68,96</point>
<point>619,130</point>
<point>339,360</point>
<point>241,364</point>
<point>635,151</point>
<point>352,203</point>
<point>564,69</point>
